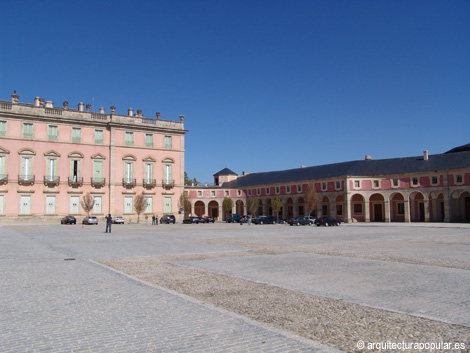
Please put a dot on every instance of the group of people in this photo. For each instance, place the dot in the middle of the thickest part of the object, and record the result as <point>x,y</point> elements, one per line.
<point>155,220</point>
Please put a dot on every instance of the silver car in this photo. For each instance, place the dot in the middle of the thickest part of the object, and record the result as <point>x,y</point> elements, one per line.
<point>118,220</point>
<point>90,220</point>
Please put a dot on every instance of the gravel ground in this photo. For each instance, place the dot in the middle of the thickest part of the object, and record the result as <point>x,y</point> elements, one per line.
<point>335,323</point>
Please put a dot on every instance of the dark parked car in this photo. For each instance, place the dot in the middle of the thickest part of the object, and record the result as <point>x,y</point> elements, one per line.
<point>192,220</point>
<point>264,220</point>
<point>208,219</point>
<point>90,220</point>
<point>68,220</point>
<point>168,219</point>
<point>306,220</point>
<point>243,219</point>
<point>327,221</point>
<point>233,218</point>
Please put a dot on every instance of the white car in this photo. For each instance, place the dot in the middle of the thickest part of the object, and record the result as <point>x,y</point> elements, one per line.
<point>118,220</point>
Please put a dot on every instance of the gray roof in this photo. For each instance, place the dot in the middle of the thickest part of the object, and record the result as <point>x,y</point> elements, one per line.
<point>358,168</point>
<point>226,171</point>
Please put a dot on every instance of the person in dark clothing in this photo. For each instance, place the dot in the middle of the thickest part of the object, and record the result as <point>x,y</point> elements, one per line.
<point>109,221</point>
<point>153,220</point>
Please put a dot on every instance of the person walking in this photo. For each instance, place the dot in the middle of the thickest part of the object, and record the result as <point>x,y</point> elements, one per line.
<point>156,220</point>
<point>153,220</point>
<point>109,221</point>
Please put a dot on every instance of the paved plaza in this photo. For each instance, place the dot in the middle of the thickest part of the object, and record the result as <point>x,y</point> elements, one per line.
<point>61,291</point>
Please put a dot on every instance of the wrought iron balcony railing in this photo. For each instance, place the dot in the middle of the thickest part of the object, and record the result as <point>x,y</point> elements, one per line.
<point>26,180</point>
<point>168,184</point>
<point>51,181</point>
<point>149,183</point>
<point>128,182</point>
<point>98,182</point>
<point>75,181</point>
<point>3,179</point>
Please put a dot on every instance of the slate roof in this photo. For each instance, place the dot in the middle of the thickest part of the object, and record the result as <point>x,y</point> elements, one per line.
<point>226,171</point>
<point>358,168</point>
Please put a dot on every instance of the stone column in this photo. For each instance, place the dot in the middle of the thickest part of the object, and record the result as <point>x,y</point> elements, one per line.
<point>367,211</point>
<point>427,211</point>
<point>387,211</point>
<point>406,206</point>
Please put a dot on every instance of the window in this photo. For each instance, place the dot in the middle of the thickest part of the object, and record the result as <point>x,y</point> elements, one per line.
<point>128,204</point>
<point>76,134</point>
<point>278,189</point>
<point>129,172</point>
<point>249,192</point>
<point>226,193</point>
<point>167,205</point>
<point>357,184</point>
<point>199,193</point>
<point>99,136</point>
<point>3,128</point>
<point>396,183</point>
<point>98,172</point>
<point>414,181</point>
<point>3,170</point>
<point>239,193</point>
<point>459,179</point>
<point>434,180</point>
<point>338,185</point>
<point>149,204</point>
<point>148,140</point>
<point>27,131</point>
<point>288,189</point>
<point>168,174</point>
<point>74,204</point>
<point>25,204</point>
<point>258,191</point>
<point>26,168</point>
<point>52,132</point>
<point>129,139</point>
<point>75,167</point>
<point>357,209</point>
<point>212,193</point>
<point>376,184</point>
<point>51,168</point>
<point>148,173</point>
<point>97,209</point>
<point>168,142</point>
<point>268,191</point>
<point>2,202</point>
<point>324,186</point>
<point>299,188</point>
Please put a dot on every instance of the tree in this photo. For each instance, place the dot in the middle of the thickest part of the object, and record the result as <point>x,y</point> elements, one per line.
<point>276,205</point>
<point>88,202</point>
<point>252,204</point>
<point>227,205</point>
<point>311,199</point>
<point>190,182</point>
<point>140,203</point>
<point>185,204</point>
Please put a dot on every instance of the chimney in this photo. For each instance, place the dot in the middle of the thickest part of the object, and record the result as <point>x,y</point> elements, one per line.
<point>88,107</point>
<point>246,173</point>
<point>181,118</point>
<point>139,113</point>
<point>80,107</point>
<point>41,102</point>
<point>49,104</point>
<point>66,104</point>
<point>158,115</point>
<point>36,102</point>
<point>113,109</point>
<point>426,155</point>
<point>14,98</point>
<point>101,110</point>
<point>368,157</point>
<point>130,112</point>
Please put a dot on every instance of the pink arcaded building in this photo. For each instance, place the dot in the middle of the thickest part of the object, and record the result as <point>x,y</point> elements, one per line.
<point>51,157</point>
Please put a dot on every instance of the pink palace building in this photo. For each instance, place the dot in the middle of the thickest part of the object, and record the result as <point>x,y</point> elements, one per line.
<point>426,188</point>
<point>51,157</point>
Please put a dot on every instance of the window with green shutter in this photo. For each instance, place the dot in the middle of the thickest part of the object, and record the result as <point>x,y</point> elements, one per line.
<point>3,128</point>
<point>129,139</point>
<point>52,132</point>
<point>76,134</point>
<point>99,137</point>
<point>27,130</point>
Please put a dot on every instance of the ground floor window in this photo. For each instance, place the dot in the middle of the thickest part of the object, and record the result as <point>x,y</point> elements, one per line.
<point>50,205</point>
<point>74,204</point>
<point>128,204</point>
<point>167,205</point>
<point>25,204</point>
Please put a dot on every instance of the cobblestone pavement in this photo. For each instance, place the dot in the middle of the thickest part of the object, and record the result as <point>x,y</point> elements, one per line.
<point>56,298</point>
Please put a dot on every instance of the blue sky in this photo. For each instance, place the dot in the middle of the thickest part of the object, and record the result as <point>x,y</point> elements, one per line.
<point>264,85</point>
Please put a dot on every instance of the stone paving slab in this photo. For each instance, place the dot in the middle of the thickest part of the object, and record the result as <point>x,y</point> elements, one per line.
<point>54,305</point>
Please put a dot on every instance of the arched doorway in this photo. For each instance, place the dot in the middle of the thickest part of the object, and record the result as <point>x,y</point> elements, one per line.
<point>397,207</point>
<point>377,208</point>
<point>460,206</point>
<point>213,209</point>
<point>357,207</point>
<point>260,208</point>
<point>436,205</point>
<point>199,208</point>
<point>325,206</point>
<point>239,207</point>
<point>301,206</point>
<point>290,208</point>
<point>417,207</point>
<point>270,209</point>
<point>340,207</point>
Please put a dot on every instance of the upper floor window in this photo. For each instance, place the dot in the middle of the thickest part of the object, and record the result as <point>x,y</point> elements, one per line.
<point>226,193</point>
<point>199,193</point>
<point>338,185</point>
<point>434,180</point>
<point>376,184</point>
<point>239,193</point>
<point>168,142</point>
<point>99,136</point>
<point>288,189</point>
<point>212,193</point>
<point>258,191</point>
<point>268,191</point>
<point>249,192</point>
<point>129,139</point>
<point>459,179</point>
<point>52,132</point>
<point>414,181</point>
<point>324,186</point>
<point>148,140</point>
<point>357,184</point>
<point>76,134</point>
<point>27,130</point>
<point>299,188</point>
<point>3,128</point>
<point>278,189</point>
<point>395,183</point>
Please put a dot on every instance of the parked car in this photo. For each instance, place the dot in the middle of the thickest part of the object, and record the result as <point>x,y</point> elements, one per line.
<point>264,220</point>
<point>243,219</point>
<point>192,220</point>
<point>305,220</point>
<point>68,220</point>
<point>233,218</point>
<point>327,221</point>
<point>90,220</point>
<point>168,219</point>
<point>118,220</point>
<point>208,219</point>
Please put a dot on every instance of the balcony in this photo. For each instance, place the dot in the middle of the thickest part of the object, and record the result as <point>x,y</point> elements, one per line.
<point>3,179</point>
<point>98,182</point>
<point>51,181</point>
<point>168,184</point>
<point>128,183</point>
<point>26,180</point>
<point>75,181</point>
<point>149,183</point>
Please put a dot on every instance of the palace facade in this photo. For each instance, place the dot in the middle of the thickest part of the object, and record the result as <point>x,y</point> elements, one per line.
<point>50,157</point>
<point>426,188</point>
